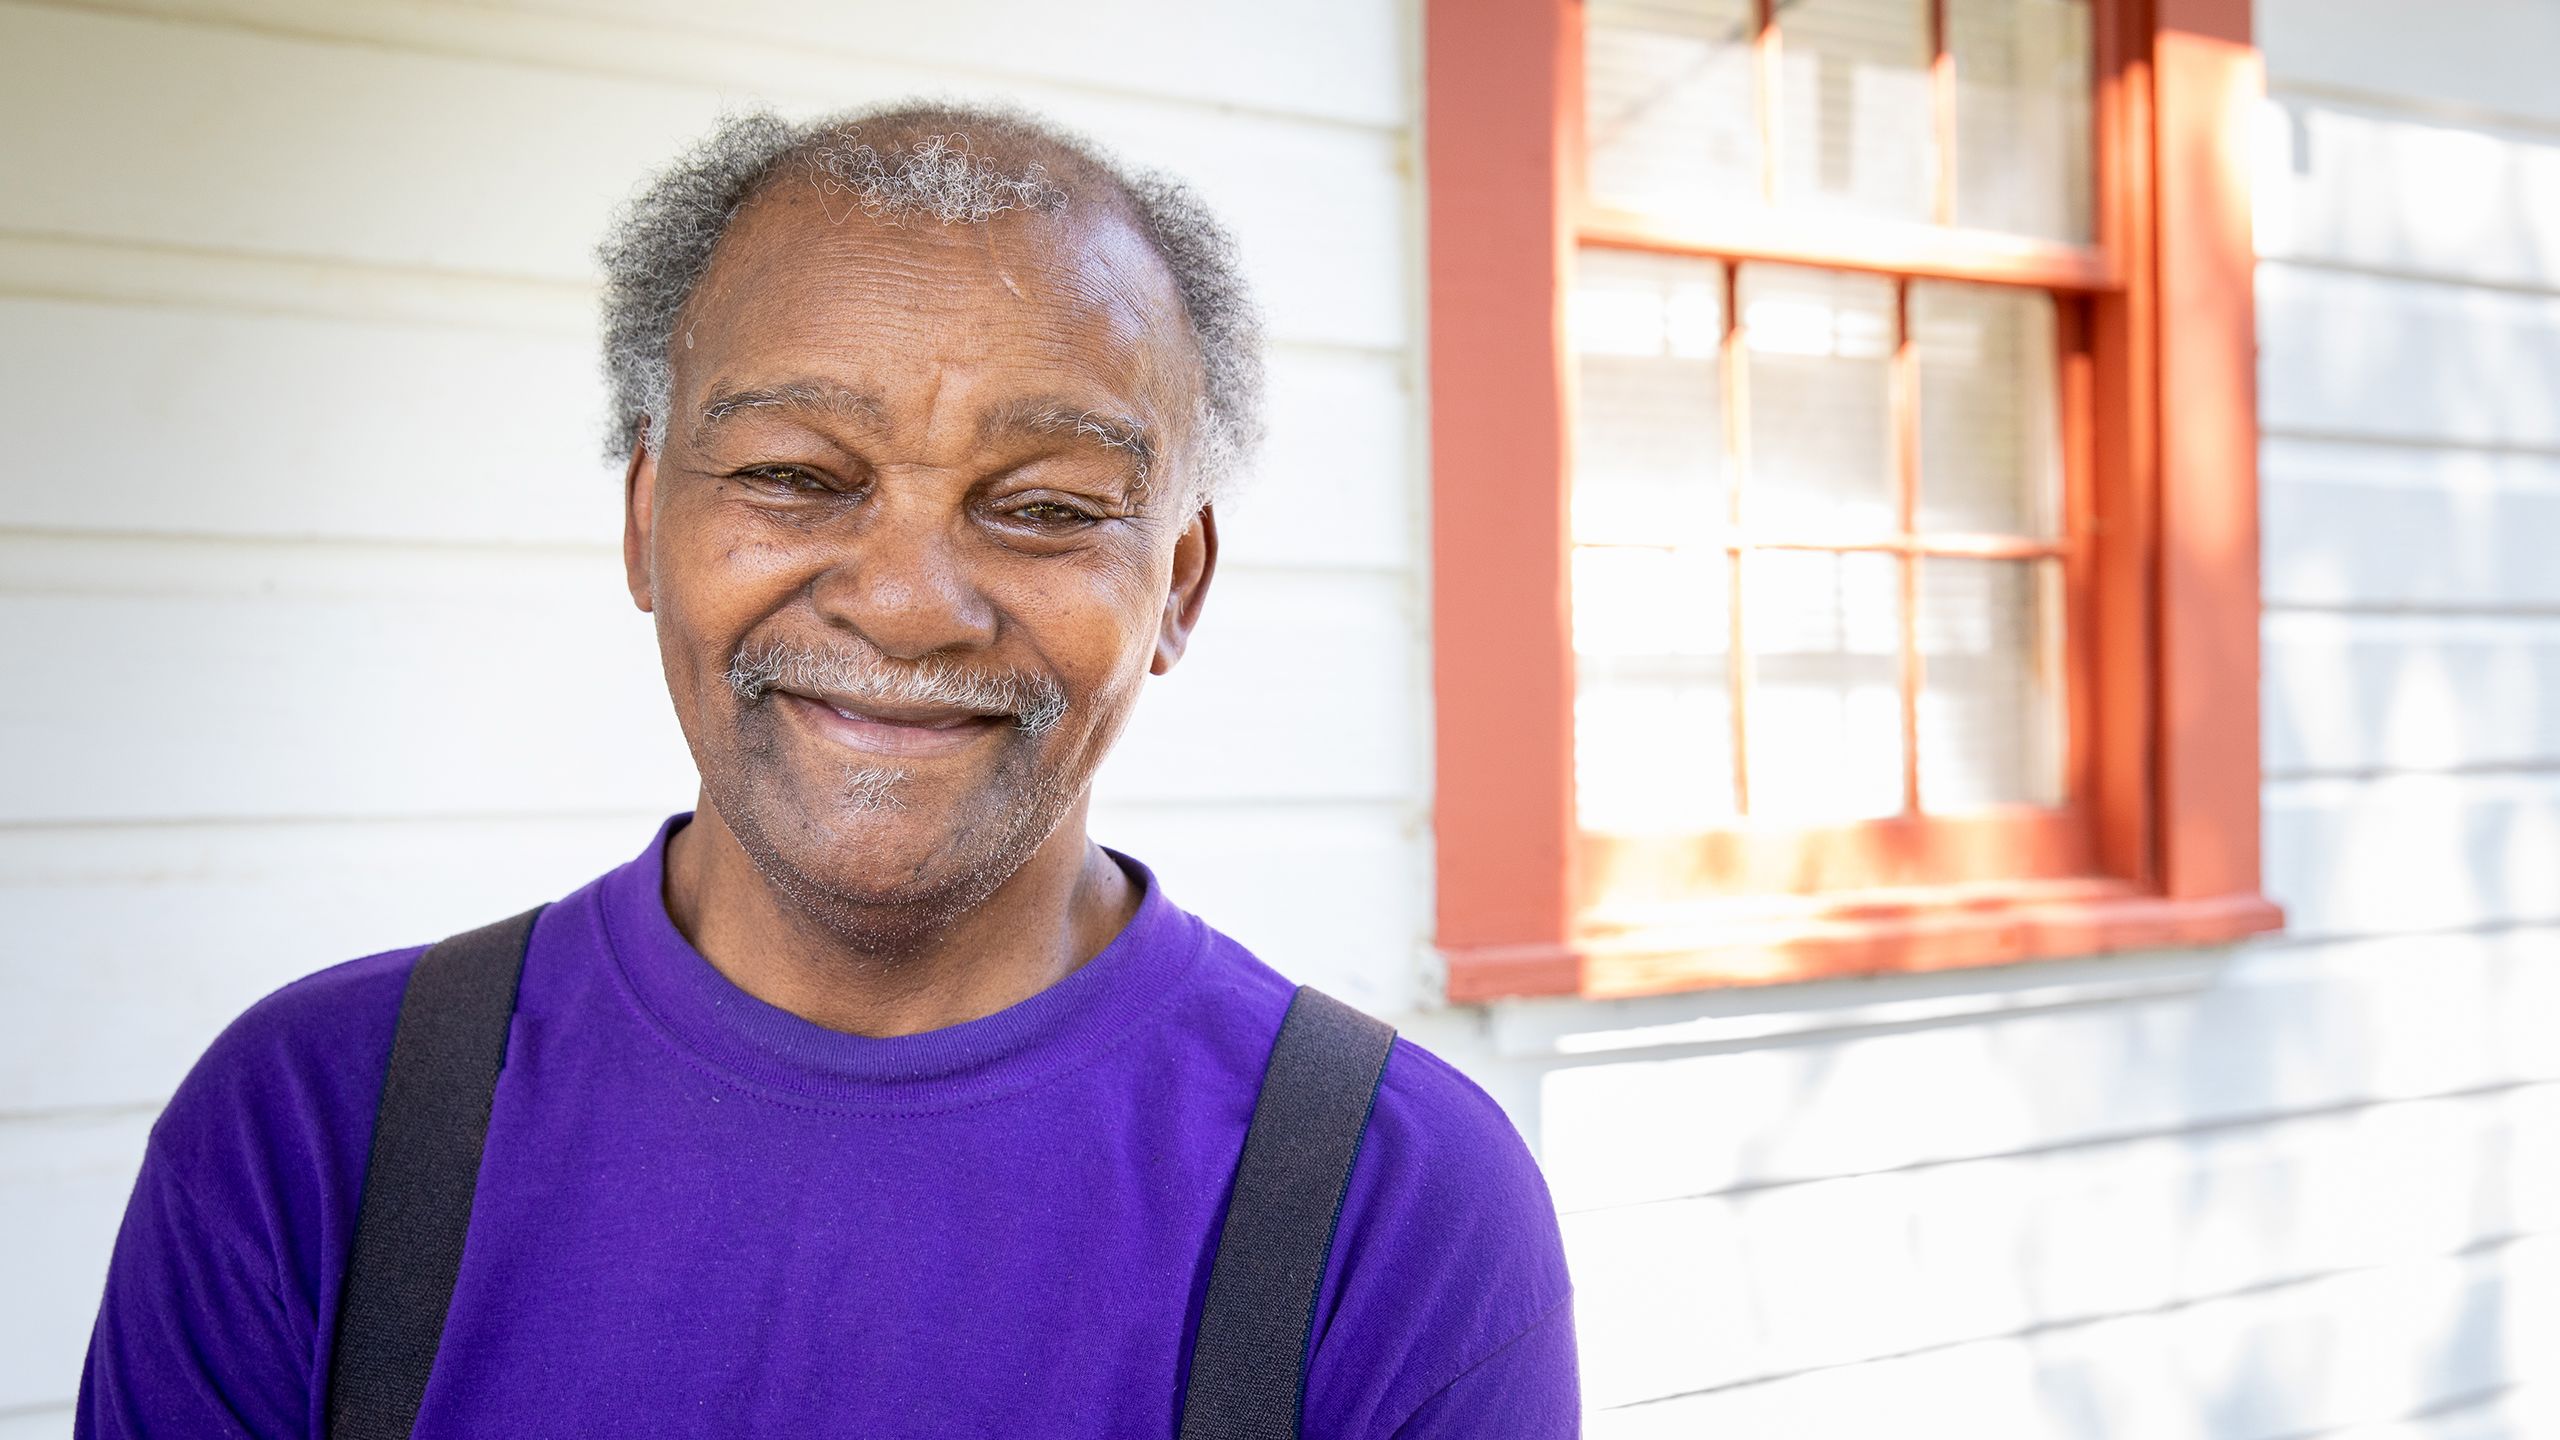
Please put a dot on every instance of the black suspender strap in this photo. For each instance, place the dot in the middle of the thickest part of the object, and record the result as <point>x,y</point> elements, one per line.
<point>1249,1360</point>
<point>418,1183</point>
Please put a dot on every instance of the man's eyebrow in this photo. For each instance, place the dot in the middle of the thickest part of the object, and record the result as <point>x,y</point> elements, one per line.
<point>1045,415</point>
<point>792,395</point>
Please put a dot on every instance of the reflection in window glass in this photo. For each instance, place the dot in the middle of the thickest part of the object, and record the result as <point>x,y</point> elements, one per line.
<point>1668,118</point>
<point>1820,351</point>
<point>1648,435</point>
<point>1824,720</point>
<point>1990,442</point>
<point>2022,115</point>
<point>1854,121</point>
<point>1991,706</point>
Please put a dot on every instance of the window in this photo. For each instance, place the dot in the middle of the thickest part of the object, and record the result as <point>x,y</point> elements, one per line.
<point>1839,566</point>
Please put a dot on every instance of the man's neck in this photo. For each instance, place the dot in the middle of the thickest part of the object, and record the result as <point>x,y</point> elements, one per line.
<point>1049,917</point>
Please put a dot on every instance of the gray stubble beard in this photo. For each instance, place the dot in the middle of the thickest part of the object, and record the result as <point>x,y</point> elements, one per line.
<point>892,927</point>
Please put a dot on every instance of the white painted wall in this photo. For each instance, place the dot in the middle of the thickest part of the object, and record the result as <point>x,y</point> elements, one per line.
<point>314,645</point>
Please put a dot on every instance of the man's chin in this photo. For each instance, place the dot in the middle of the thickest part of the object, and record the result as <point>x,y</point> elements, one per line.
<point>864,854</point>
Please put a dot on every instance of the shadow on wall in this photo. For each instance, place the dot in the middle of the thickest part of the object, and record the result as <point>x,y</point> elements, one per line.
<point>2257,1195</point>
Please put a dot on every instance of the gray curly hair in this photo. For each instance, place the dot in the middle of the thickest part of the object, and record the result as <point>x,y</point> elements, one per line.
<point>954,164</point>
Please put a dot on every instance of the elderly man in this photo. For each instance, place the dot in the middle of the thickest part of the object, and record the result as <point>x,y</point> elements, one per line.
<point>872,1098</point>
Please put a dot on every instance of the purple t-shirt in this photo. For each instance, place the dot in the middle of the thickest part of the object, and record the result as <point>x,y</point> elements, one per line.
<point>700,1214</point>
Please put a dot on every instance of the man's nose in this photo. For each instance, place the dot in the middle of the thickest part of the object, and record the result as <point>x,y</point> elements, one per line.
<point>903,582</point>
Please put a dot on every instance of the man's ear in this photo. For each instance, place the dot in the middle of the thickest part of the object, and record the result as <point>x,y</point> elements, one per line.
<point>1195,560</point>
<point>639,504</point>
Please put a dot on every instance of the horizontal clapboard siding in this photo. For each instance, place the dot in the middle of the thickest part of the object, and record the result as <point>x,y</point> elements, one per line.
<point>2367,857</point>
<point>2410,207</point>
<point>2366,691</point>
<point>63,1182</point>
<point>2270,1032</point>
<point>2019,1246</point>
<point>1342,61</point>
<point>2409,528</point>
<point>450,163</point>
<point>2479,61</point>
<point>2436,1341</point>
<point>2350,182</point>
<point>2353,356</point>
<point>258,903</point>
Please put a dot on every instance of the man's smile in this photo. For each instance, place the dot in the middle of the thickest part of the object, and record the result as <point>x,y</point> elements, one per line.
<point>908,732</point>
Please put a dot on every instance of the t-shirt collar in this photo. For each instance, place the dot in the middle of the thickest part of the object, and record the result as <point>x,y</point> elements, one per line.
<point>765,1046</point>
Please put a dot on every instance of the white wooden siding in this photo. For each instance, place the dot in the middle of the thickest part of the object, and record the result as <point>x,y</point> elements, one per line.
<point>2409,528</point>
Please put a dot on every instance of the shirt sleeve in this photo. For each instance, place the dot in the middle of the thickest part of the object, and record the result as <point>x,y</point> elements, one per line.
<point>235,1231</point>
<point>1525,1389</point>
<point>193,1336</point>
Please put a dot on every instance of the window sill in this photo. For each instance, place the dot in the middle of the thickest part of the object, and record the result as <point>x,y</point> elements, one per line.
<point>1869,933</point>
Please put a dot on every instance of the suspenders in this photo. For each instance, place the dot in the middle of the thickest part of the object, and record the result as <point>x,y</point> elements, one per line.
<point>425,1163</point>
<point>1248,1360</point>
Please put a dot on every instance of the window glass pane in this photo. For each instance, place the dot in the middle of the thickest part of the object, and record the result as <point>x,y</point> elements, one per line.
<point>1823,728</point>
<point>1990,440</point>
<point>1632,602</point>
<point>1668,118</point>
<point>1820,351</point>
<point>1653,719</point>
<point>2022,115</point>
<point>1653,754</point>
<point>1991,707</point>
<point>1854,127</point>
<point>1648,462</point>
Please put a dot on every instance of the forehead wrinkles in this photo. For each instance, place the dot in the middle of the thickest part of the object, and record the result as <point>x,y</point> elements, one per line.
<point>1083,292</point>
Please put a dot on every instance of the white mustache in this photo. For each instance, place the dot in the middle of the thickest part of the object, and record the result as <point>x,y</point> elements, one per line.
<point>862,674</point>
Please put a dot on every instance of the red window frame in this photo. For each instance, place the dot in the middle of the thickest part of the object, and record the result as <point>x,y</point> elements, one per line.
<point>2160,845</point>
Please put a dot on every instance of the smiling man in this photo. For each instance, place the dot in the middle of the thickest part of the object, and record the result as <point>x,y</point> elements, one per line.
<point>872,1098</point>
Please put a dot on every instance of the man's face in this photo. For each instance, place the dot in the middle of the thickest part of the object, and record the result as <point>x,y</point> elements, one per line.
<point>916,535</point>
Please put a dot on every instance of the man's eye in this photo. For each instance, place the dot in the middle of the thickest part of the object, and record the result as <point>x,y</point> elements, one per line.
<point>783,477</point>
<point>1050,514</point>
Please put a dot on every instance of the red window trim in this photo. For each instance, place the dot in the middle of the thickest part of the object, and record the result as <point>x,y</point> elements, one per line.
<point>2170,727</point>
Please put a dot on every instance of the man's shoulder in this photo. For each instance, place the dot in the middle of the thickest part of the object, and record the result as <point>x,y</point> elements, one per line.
<point>259,1154</point>
<point>307,1058</point>
<point>1452,1149</point>
<point>321,1015</point>
<point>1431,1124</point>
<point>1447,1253</point>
